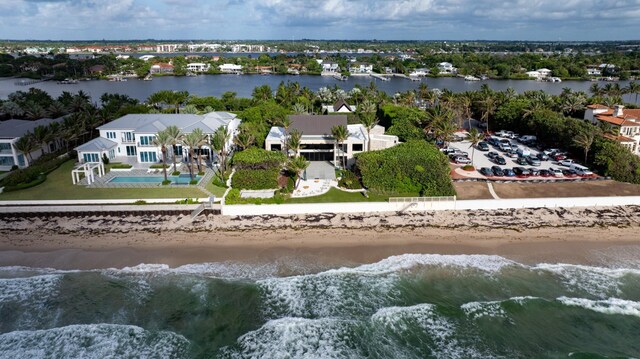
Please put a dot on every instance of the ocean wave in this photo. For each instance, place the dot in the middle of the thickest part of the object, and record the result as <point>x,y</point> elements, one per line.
<point>296,338</point>
<point>598,281</point>
<point>606,306</point>
<point>93,341</point>
<point>494,308</point>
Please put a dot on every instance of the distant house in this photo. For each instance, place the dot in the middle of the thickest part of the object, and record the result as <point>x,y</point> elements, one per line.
<point>96,69</point>
<point>360,68</point>
<point>419,72</point>
<point>330,67</point>
<point>197,67</point>
<point>230,68</point>
<point>146,57</point>
<point>593,70</point>
<point>161,68</point>
<point>447,68</point>
<point>539,74</point>
<point>339,107</point>
<point>318,144</point>
<point>11,131</point>
<point>626,121</point>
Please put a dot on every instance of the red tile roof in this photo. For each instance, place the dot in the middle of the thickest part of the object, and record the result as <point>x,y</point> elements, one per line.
<point>618,138</point>
<point>598,106</point>
<point>620,121</point>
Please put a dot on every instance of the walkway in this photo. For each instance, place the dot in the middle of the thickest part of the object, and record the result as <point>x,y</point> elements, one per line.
<point>313,187</point>
<point>320,170</point>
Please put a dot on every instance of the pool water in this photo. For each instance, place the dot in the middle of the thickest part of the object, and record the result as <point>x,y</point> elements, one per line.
<point>181,179</point>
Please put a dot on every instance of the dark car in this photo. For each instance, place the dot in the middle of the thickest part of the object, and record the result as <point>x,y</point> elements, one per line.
<point>500,160</point>
<point>570,173</point>
<point>545,173</point>
<point>497,171</point>
<point>534,171</point>
<point>483,146</point>
<point>509,173</point>
<point>486,171</point>
<point>493,141</point>
<point>542,157</point>
<point>492,154</point>
<point>513,153</point>
<point>522,161</point>
<point>521,172</point>
<point>533,161</point>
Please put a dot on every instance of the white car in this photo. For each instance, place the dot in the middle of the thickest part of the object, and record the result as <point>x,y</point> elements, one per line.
<point>567,162</point>
<point>462,160</point>
<point>555,172</point>
<point>551,151</point>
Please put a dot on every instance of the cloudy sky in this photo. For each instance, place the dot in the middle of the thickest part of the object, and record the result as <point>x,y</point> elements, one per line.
<point>321,19</point>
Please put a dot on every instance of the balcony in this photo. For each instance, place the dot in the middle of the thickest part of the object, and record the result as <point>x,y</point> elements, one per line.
<point>128,141</point>
<point>145,145</point>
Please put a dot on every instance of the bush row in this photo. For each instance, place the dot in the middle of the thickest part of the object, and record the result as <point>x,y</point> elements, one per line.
<point>32,173</point>
<point>233,197</point>
<point>255,178</point>
<point>258,158</point>
<point>349,180</point>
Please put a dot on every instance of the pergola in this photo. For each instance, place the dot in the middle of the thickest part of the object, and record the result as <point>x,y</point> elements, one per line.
<point>88,170</point>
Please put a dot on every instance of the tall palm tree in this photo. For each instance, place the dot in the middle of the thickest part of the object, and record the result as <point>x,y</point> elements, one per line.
<point>175,135</point>
<point>584,140</point>
<point>297,165</point>
<point>300,109</point>
<point>474,136</point>
<point>368,119</point>
<point>192,141</point>
<point>26,145</point>
<point>177,98</point>
<point>488,109</point>
<point>244,139</point>
<point>42,135</point>
<point>219,143</point>
<point>294,140</point>
<point>201,140</point>
<point>340,134</point>
<point>285,123</point>
<point>633,88</point>
<point>595,90</point>
<point>444,130</point>
<point>162,140</point>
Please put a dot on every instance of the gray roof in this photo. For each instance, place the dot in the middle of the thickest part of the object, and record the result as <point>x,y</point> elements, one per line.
<point>153,123</point>
<point>315,125</point>
<point>97,145</point>
<point>17,128</point>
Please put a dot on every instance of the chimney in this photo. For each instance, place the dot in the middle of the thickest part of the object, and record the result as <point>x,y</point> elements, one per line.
<point>617,110</point>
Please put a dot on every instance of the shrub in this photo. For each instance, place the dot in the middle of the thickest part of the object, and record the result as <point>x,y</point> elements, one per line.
<point>217,181</point>
<point>414,166</point>
<point>175,173</point>
<point>201,173</point>
<point>159,165</point>
<point>233,197</point>
<point>349,180</point>
<point>255,179</point>
<point>468,168</point>
<point>258,158</point>
<point>31,174</point>
<point>166,182</point>
<point>121,165</point>
<point>193,182</point>
<point>14,167</point>
<point>140,202</point>
<point>105,159</point>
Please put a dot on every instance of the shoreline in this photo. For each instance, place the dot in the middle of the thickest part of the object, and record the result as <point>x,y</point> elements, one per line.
<point>578,236</point>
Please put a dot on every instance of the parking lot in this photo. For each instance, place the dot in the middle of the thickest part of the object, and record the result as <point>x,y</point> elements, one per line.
<point>481,159</point>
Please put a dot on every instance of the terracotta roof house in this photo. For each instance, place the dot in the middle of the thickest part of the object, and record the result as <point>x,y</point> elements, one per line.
<point>626,121</point>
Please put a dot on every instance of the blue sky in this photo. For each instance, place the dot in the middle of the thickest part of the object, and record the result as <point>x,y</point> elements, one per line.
<point>321,19</point>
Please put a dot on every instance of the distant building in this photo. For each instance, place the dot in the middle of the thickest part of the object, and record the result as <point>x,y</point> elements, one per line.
<point>11,131</point>
<point>360,68</point>
<point>627,122</point>
<point>339,107</point>
<point>197,67</point>
<point>330,67</point>
<point>161,68</point>
<point>230,68</point>
<point>447,68</point>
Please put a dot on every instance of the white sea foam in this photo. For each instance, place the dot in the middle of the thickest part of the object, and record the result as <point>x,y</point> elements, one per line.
<point>606,306</point>
<point>477,310</point>
<point>93,341</point>
<point>296,338</point>
<point>442,333</point>
<point>223,270</point>
<point>598,281</point>
<point>32,289</point>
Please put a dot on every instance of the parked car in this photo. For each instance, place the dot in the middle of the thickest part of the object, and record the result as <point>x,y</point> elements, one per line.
<point>512,153</point>
<point>545,173</point>
<point>523,152</point>
<point>483,146</point>
<point>500,160</point>
<point>492,155</point>
<point>497,171</point>
<point>461,153</point>
<point>581,170</point>
<point>504,147</point>
<point>522,161</point>
<point>462,160</point>
<point>509,173</point>
<point>527,138</point>
<point>486,171</point>
<point>542,156</point>
<point>447,150</point>
<point>494,141</point>
<point>551,151</point>
<point>534,171</point>
<point>502,133</point>
<point>533,161</point>
<point>569,173</point>
<point>521,172</point>
<point>555,172</point>
<point>566,162</point>
<point>559,156</point>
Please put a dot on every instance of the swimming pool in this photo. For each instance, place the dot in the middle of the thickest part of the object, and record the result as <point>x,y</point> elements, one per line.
<point>181,179</point>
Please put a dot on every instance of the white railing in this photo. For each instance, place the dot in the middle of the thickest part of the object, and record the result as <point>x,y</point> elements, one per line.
<point>421,199</point>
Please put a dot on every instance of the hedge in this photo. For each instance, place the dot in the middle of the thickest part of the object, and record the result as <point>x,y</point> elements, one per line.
<point>255,178</point>
<point>349,180</point>
<point>21,178</point>
<point>258,158</point>
<point>121,165</point>
<point>415,166</point>
<point>233,197</point>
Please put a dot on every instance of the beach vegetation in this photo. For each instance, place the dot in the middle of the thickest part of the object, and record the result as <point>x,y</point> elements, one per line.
<point>258,158</point>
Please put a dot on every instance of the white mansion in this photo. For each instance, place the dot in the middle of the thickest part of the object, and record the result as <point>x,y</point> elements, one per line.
<point>130,138</point>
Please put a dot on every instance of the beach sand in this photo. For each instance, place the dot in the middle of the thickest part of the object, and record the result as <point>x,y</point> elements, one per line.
<point>584,236</point>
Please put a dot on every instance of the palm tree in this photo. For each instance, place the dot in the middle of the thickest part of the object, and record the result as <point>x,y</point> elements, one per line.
<point>488,109</point>
<point>444,130</point>
<point>262,93</point>
<point>192,141</point>
<point>297,165</point>
<point>300,109</point>
<point>162,140</point>
<point>595,90</point>
<point>294,140</point>
<point>340,134</point>
<point>176,135</point>
<point>201,140</point>
<point>572,104</point>
<point>584,140</point>
<point>633,88</point>
<point>26,145</point>
<point>177,98</point>
<point>286,123</point>
<point>367,114</point>
<point>42,135</point>
<point>219,143</point>
<point>474,136</point>
<point>244,139</point>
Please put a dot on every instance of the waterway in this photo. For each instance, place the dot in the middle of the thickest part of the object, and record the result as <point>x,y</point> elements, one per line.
<point>243,85</point>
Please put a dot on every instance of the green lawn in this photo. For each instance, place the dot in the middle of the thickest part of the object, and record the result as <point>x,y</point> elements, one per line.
<point>217,191</point>
<point>58,186</point>
<point>335,195</point>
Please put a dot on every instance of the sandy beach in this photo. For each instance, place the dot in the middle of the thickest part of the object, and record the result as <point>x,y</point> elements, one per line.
<point>528,235</point>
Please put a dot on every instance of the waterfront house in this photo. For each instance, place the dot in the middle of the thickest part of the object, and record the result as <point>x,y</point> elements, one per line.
<point>129,139</point>
<point>230,68</point>
<point>11,131</point>
<point>161,68</point>
<point>197,67</point>
<point>446,68</point>
<point>318,143</point>
<point>360,68</point>
<point>340,106</point>
<point>330,67</point>
<point>627,123</point>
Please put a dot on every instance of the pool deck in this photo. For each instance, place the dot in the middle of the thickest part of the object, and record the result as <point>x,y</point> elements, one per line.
<point>105,181</point>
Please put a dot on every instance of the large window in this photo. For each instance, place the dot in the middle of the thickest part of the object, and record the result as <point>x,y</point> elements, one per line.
<point>357,147</point>
<point>132,151</point>
<point>5,147</point>
<point>6,161</point>
<point>111,135</point>
<point>148,157</point>
<point>21,160</point>
<point>128,137</point>
<point>91,157</point>
<point>146,140</point>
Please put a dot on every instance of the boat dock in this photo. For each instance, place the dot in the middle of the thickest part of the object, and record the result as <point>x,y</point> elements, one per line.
<point>412,78</point>
<point>379,77</point>
<point>28,82</point>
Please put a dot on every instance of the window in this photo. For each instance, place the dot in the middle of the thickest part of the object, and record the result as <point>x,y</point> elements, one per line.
<point>6,161</point>
<point>112,154</point>
<point>276,147</point>
<point>21,160</point>
<point>128,137</point>
<point>91,157</point>
<point>148,157</point>
<point>111,135</point>
<point>357,147</point>
<point>146,140</point>
<point>5,147</point>
<point>131,151</point>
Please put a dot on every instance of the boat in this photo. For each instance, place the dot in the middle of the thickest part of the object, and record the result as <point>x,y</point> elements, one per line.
<point>191,74</point>
<point>341,78</point>
<point>554,79</point>
<point>67,82</point>
<point>471,78</point>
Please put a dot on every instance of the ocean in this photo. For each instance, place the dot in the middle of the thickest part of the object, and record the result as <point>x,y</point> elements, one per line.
<point>406,306</point>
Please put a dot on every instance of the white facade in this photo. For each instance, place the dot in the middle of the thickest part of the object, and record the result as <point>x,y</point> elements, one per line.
<point>130,138</point>
<point>11,131</point>
<point>361,69</point>
<point>330,67</point>
<point>230,68</point>
<point>447,68</point>
<point>197,67</point>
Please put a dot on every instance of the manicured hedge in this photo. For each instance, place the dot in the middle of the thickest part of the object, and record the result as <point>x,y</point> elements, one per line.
<point>258,158</point>
<point>233,197</point>
<point>415,166</point>
<point>21,178</point>
<point>123,165</point>
<point>255,178</point>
